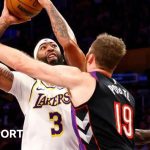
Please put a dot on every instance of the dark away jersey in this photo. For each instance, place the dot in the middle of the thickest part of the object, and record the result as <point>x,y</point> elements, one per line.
<point>106,121</point>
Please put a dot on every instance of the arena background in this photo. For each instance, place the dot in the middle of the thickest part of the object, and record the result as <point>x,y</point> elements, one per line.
<point>128,19</point>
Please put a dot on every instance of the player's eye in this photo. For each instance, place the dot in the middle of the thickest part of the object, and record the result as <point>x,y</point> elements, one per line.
<point>43,47</point>
<point>54,46</point>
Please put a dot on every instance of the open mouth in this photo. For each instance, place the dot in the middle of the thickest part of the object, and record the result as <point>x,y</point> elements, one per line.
<point>52,57</point>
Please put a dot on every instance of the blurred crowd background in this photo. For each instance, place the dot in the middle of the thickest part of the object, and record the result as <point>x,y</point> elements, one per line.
<point>127,19</point>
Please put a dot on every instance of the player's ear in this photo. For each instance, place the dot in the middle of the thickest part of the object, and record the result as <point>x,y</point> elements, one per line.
<point>90,58</point>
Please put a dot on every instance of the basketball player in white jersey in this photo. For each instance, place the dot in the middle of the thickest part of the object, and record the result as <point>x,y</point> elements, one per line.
<point>49,117</point>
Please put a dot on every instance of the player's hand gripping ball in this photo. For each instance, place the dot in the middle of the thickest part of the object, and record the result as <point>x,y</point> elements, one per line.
<point>24,9</point>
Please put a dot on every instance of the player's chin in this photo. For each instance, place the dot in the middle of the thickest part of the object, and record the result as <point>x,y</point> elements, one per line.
<point>52,61</point>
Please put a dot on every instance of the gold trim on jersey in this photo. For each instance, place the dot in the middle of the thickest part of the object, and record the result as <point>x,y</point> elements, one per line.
<point>51,86</point>
<point>48,86</point>
<point>39,82</point>
<point>32,90</point>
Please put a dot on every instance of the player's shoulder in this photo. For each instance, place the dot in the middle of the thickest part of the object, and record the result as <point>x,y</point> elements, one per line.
<point>85,80</point>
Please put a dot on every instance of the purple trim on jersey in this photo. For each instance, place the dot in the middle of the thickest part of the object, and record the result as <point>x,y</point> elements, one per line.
<point>73,114</point>
<point>93,74</point>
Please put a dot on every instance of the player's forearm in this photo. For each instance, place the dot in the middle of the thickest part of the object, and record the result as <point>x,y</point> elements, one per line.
<point>60,27</point>
<point>12,57</point>
<point>142,137</point>
<point>23,63</point>
<point>75,57</point>
<point>39,70</point>
<point>3,26</point>
<point>65,36</point>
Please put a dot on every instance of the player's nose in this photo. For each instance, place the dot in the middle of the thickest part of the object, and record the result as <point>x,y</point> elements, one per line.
<point>50,48</point>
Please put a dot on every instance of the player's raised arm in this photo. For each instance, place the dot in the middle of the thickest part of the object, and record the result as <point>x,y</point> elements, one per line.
<point>7,19</point>
<point>3,26</point>
<point>58,75</point>
<point>6,76</point>
<point>64,34</point>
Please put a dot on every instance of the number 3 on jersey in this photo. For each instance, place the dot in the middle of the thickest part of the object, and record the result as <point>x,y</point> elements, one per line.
<point>124,119</point>
<point>57,120</point>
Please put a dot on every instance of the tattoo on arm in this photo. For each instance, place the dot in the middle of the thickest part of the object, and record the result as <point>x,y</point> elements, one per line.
<point>58,23</point>
<point>7,74</point>
<point>3,27</point>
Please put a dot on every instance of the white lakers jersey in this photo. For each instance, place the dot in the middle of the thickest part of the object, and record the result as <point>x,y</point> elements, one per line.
<point>49,122</point>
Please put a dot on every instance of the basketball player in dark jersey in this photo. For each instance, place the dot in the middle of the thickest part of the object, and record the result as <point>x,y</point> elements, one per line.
<point>109,116</point>
<point>109,122</point>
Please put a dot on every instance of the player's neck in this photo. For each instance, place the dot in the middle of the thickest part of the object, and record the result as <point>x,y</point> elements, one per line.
<point>104,72</point>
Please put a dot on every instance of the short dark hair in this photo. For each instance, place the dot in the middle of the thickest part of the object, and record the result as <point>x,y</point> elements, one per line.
<point>108,51</point>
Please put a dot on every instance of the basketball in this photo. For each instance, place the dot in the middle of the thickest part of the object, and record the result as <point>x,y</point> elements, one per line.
<point>24,9</point>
